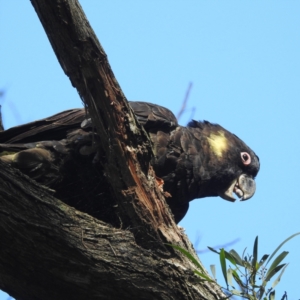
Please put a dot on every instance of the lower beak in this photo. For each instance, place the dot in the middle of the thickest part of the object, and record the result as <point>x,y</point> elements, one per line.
<point>244,187</point>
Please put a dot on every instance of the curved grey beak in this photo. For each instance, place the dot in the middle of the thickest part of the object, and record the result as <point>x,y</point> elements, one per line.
<point>244,187</point>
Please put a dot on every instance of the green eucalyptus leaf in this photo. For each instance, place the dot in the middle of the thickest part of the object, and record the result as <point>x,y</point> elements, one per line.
<point>263,259</point>
<point>279,277</point>
<point>237,258</point>
<point>237,279</point>
<point>213,250</point>
<point>229,257</point>
<point>194,261</point>
<point>281,246</point>
<point>203,276</point>
<point>273,272</point>
<point>223,265</point>
<point>188,255</point>
<point>275,263</point>
<point>254,259</point>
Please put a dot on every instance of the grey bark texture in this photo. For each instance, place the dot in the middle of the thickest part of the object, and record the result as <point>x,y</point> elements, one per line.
<point>49,250</point>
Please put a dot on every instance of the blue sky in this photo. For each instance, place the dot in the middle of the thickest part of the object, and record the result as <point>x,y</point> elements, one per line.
<point>243,60</point>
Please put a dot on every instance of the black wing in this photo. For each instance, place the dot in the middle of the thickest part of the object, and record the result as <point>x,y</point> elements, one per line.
<point>153,116</point>
<point>51,128</point>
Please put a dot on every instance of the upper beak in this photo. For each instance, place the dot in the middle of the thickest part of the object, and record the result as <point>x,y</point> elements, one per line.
<point>244,187</point>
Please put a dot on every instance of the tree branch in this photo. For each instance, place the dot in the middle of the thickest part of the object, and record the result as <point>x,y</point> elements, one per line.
<point>53,251</point>
<point>124,144</point>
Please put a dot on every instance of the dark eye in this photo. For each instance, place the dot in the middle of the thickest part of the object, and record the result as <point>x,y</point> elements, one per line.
<point>246,158</point>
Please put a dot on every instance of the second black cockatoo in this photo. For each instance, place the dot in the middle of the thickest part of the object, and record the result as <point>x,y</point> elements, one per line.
<point>196,161</point>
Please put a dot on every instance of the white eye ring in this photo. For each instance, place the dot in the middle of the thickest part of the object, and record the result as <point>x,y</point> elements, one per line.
<point>246,158</point>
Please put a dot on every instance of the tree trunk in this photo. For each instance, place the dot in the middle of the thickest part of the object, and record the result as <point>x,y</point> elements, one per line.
<point>52,251</point>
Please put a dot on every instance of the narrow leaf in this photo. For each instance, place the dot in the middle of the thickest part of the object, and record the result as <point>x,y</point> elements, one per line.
<point>263,259</point>
<point>223,265</point>
<point>279,277</point>
<point>188,255</point>
<point>275,263</point>
<point>237,258</point>
<point>213,250</point>
<point>254,259</point>
<point>229,277</point>
<point>213,271</point>
<point>230,257</point>
<point>273,272</point>
<point>203,276</point>
<point>194,261</point>
<point>281,246</point>
<point>238,279</point>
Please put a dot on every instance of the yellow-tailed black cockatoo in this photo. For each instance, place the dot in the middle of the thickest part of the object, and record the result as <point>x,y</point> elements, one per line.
<point>196,161</point>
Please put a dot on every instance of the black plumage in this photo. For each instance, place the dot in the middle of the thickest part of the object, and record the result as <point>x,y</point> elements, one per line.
<point>200,160</point>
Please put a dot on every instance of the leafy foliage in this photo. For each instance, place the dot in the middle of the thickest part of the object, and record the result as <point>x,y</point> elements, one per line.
<point>246,276</point>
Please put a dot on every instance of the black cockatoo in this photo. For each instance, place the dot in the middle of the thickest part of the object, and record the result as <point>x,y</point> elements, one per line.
<point>200,160</point>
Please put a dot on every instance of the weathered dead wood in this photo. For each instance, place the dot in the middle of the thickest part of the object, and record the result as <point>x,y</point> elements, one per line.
<point>51,251</point>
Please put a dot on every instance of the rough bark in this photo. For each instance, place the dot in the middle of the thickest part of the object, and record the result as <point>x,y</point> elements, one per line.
<point>51,251</point>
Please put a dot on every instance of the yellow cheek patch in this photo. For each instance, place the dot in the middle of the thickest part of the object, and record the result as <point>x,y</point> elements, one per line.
<point>218,143</point>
